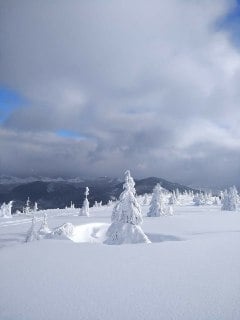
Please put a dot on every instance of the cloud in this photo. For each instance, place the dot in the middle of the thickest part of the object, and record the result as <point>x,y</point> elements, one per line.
<point>153,85</point>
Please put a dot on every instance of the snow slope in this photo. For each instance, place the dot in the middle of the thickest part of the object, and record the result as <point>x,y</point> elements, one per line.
<point>191,270</point>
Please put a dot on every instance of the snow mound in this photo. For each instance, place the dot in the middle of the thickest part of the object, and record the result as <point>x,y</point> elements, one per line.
<point>122,233</point>
<point>90,233</point>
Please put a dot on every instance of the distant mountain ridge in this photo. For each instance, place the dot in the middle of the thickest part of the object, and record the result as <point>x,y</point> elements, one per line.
<point>58,193</point>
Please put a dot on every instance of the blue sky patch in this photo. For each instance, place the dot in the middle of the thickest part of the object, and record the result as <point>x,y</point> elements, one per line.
<point>69,134</point>
<point>231,23</point>
<point>9,101</point>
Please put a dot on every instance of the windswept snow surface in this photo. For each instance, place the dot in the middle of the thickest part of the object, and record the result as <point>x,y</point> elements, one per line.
<point>190,271</point>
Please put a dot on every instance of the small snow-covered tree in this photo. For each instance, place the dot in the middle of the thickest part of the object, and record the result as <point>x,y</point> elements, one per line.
<point>126,217</point>
<point>6,210</point>
<point>32,234</point>
<point>145,199</point>
<point>199,199</point>
<point>230,199</point>
<point>157,207</point>
<point>173,199</point>
<point>177,193</point>
<point>44,230</point>
<point>35,209</point>
<point>109,203</point>
<point>85,208</point>
<point>27,209</point>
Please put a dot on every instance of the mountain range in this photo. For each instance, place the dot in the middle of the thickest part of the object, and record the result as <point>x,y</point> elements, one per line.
<point>58,193</point>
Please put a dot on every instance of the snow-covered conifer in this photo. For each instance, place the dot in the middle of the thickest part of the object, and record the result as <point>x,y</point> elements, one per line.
<point>157,207</point>
<point>27,208</point>
<point>145,199</point>
<point>6,210</point>
<point>126,217</point>
<point>35,209</point>
<point>230,199</point>
<point>173,199</point>
<point>85,208</point>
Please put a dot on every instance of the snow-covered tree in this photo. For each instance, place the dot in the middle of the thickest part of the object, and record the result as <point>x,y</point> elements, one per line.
<point>126,217</point>
<point>145,199</point>
<point>32,234</point>
<point>44,230</point>
<point>27,209</point>
<point>109,203</point>
<point>173,199</point>
<point>199,199</point>
<point>177,193</point>
<point>35,209</point>
<point>85,208</point>
<point>230,199</point>
<point>216,201</point>
<point>157,207</point>
<point>6,210</point>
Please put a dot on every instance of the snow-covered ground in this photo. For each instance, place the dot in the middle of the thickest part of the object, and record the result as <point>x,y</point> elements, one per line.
<point>190,271</point>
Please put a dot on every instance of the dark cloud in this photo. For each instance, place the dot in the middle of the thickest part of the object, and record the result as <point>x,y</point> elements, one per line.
<point>152,86</point>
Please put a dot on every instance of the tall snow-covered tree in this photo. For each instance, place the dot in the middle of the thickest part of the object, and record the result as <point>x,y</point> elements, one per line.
<point>157,207</point>
<point>126,217</point>
<point>85,208</point>
<point>230,200</point>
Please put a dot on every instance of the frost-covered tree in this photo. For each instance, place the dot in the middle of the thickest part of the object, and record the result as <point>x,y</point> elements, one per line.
<point>145,199</point>
<point>216,201</point>
<point>85,208</point>
<point>157,207</point>
<point>32,234</point>
<point>35,208</point>
<point>110,202</point>
<point>6,210</point>
<point>199,199</point>
<point>27,209</point>
<point>126,217</point>
<point>230,199</point>
<point>173,199</point>
<point>177,193</point>
<point>44,230</point>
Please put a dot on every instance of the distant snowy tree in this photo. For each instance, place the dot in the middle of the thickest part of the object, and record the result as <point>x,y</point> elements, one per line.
<point>145,199</point>
<point>126,217</point>
<point>27,208</point>
<point>177,193</point>
<point>85,208</point>
<point>173,199</point>
<point>216,201</point>
<point>32,234</point>
<point>6,210</point>
<point>109,203</point>
<point>44,229</point>
<point>230,199</point>
<point>35,209</point>
<point>157,207</point>
<point>199,199</point>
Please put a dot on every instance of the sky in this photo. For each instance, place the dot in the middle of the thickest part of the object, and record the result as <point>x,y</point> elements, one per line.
<point>91,88</point>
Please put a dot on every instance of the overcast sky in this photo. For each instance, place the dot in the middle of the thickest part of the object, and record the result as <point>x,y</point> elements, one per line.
<point>91,88</point>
